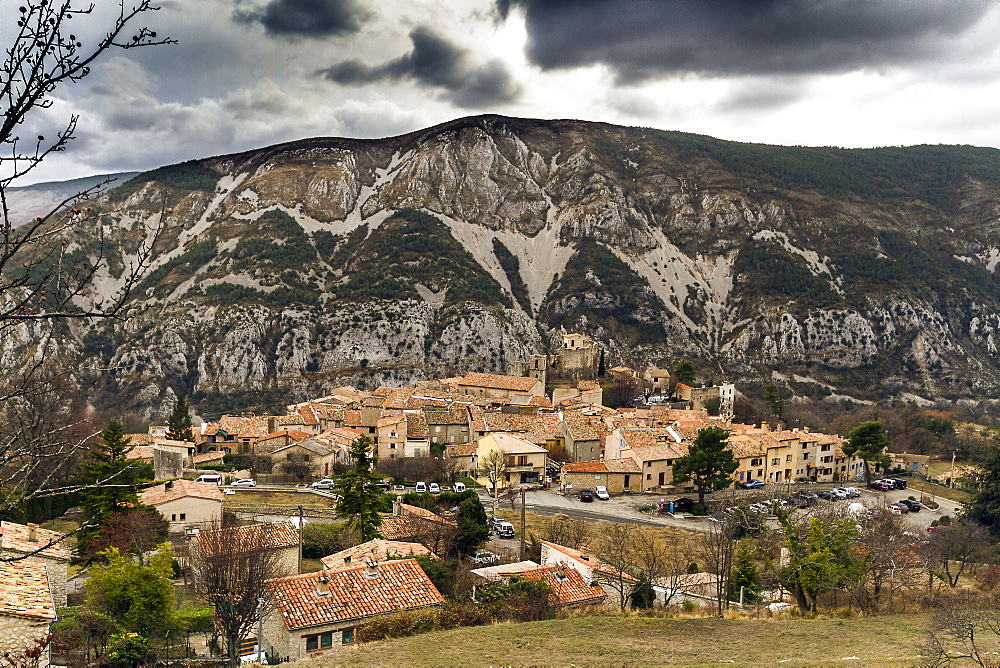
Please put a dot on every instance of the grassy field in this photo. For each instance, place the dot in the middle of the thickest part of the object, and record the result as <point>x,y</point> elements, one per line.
<point>293,499</point>
<point>938,490</point>
<point>893,640</point>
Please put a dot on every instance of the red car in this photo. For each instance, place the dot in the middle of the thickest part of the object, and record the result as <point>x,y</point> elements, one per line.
<point>880,486</point>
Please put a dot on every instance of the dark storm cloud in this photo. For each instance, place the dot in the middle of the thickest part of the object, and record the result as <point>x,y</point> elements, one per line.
<point>306,18</point>
<point>642,39</point>
<point>438,63</point>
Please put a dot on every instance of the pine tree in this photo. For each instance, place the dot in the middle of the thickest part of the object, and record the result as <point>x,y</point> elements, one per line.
<point>708,463</point>
<point>361,497</point>
<point>984,507</point>
<point>868,441</point>
<point>685,372</point>
<point>115,477</point>
<point>179,424</point>
<point>745,574</point>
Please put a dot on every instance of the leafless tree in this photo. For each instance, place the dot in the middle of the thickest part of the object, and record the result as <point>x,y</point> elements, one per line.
<point>47,276</point>
<point>493,468</point>
<point>715,551</point>
<point>965,628</point>
<point>298,465</point>
<point>562,530</point>
<point>885,561</point>
<point>230,566</point>
<point>616,547</point>
<point>951,549</point>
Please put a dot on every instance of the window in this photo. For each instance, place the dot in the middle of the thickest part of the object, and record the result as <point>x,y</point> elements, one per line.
<point>649,476</point>
<point>804,446</point>
<point>347,636</point>
<point>825,447</point>
<point>321,641</point>
<point>788,458</point>
<point>183,516</point>
<point>649,465</point>
<point>759,461</point>
<point>774,462</point>
<point>173,518</point>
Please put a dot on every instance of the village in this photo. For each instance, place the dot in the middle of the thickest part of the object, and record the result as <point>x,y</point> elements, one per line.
<point>248,494</point>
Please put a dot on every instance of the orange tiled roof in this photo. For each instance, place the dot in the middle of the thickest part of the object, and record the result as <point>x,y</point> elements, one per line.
<point>416,426</point>
<point>462,449</point>
<point>140,452</point>
<point>294,434</point>
<point>585,467</point>
<point>353,593</point>
<point>622,465</point>
<point>245,426</point>
<point>373,550</point>
<point>24,590</point>
<point>400,527</point>
<point>274,536</point>
<point>16,537</point>
<point>586,558</point>
<point>491,381</point>
<point>566,585</point>
<point>207,457</point>
<point>159,494</point>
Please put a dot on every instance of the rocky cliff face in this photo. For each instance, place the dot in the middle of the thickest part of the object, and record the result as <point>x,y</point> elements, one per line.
<point>467,246</point>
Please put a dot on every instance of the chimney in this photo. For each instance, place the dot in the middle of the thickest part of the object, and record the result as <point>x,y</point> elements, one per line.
<point>32,533</point>
<point>371,570</point>
<point>323,587</point>
<point>397,506</point>
<point>764,427</point>
<point>167,486</point>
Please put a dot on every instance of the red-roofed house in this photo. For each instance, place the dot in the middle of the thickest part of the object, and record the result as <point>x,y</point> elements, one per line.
<point>26,607</point>
<point>316,613</point>
<point>186,504</point>
<point>48,547</point>
<point>618,475</point>
<point>374,550</point>
<point>490,385</point>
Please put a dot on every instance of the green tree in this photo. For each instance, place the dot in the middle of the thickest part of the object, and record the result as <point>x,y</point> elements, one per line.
<point>776,398</point>
<point>685,372</point>
<point>361,497</point>
<point>819,558</point>
<point>179,424</point>
<point>472,526</point>
<point>114,479</point>
<point>709,464</point>
<point>493,467</point>
<point>745,575</point>
<point>868,441</point>
<point>139,598</point>
<point>984,507</point>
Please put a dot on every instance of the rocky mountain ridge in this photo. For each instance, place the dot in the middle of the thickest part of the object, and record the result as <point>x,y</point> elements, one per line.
<point>466,246</point>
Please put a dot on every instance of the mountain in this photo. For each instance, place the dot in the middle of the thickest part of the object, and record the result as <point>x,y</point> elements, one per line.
<point>26,202</point>
<point>472,244</point>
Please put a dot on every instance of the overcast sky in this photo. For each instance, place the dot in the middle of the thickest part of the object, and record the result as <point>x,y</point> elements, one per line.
<point>249,73</point>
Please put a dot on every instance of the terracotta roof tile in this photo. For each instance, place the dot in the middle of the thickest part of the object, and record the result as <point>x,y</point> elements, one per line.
<point>373,550</point>
<point>274,536</point>
<point>585,467</point>
<point>566,585</point>
<point>491,381</point>
<point>24,590</point>
<point>159,494</point>
<point>16,538</point>
<point>416,426</point>
<point>353,593</point>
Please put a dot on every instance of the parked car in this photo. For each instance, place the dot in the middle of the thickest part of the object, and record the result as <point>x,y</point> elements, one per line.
<point>899,482</point>
<point>485,557</point>
<point>852,492</point>
<point>752,484</point>
<point>912,505</point>
<point>601,492</point>
<point>459,487</point>
<point>244,482</point>
<point>586,495</point>
<point>903,508</point>
<point>840,493</point>
<point>827,494</point>
<point>385,485</point>
<point>502,528</point>
<point>325,483</point>
<point>435,488</point>
<point>759,508</point>
<point>879,485</point>
<point>421,487</point>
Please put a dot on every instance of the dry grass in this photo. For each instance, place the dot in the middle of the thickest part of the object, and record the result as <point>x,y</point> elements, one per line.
<point>638,640</point>
<point>537,526</point>
<point>292,499</point>
<point>938,490</point>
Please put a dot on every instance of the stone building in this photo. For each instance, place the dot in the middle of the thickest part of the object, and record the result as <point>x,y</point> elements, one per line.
<point>26,608</point>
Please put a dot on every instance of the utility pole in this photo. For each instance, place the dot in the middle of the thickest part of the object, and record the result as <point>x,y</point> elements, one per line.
<point>522,525</point>
<point>951,481</point>
<point>260,629</point>
<point>300,538</point>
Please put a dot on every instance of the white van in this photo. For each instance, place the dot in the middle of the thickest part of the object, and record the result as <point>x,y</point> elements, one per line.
<point>213,478</point>
<point>421,487</point>
<point>459,487</point>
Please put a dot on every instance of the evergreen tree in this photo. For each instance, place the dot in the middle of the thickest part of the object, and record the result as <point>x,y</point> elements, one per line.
<point>984,507</point>
<point>361,497</point>
<point>745,574</point>
<point>775,398</point>
<point>472,526</point>
<point>708,463</point>
<point>685,372</point>
<point>114,477</point>
<point>179,424</point>
<point>868,441</point>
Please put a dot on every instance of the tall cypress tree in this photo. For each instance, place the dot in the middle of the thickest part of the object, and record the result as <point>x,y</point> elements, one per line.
<point>361,497</point>
<point>179,424</point>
